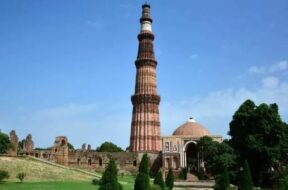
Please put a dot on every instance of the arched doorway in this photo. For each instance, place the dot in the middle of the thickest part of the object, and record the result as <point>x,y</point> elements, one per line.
<point>192,158</point>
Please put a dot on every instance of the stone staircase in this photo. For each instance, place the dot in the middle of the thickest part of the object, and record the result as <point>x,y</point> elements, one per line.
<point>196,185</point>
<point>193,183</point>
<point>192,177</point>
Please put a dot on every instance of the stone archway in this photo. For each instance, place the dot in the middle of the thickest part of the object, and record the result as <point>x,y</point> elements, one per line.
<point>191,156</point>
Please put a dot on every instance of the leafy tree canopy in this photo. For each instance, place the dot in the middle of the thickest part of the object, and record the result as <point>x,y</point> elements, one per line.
<point>109,147</point>
<point>142,181</point>
<point>170,180</point>
<point>216,155</point>
<point>159,180</point>
<point>143,167</point>
<point>259,136</point>
<point>70,146</point>
<point>244,177</point>
<point>109,179</point>
<point>5,143</point>
<point>222,181</point>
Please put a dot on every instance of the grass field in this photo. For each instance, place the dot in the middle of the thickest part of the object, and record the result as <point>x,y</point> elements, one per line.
<point>46,185</point>
<point>39,171</point>
<point>43,176</point>
<point>126,181</point>
<point>60,185</point>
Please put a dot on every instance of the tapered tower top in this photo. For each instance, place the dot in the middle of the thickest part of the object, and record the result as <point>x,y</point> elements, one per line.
<point>146,20</point>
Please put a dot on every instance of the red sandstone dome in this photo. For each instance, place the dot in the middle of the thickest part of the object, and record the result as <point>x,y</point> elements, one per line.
<point>191,128</point>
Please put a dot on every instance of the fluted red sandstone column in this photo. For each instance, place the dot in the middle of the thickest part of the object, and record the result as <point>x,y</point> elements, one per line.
<point>145,126</point>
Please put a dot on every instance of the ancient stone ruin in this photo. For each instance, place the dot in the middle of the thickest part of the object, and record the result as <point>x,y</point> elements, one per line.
<point>28,144</point>
<point>14,140</point>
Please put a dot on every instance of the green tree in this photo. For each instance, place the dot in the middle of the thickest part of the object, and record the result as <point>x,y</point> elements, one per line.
<point>170,180</point>
<point>216,155</point>
<point>109,147</point>
<point>70,146</point>
<point>5,143</point>
<point>159,180</point>
<point>250,131</point>
<point>183,174</point>
<point>143,167</point>
<point>109,179</point>
<point>244,177</point>
<point>21,176</point>
<point>142,181</point>
<point>283,183</point>
<point>3,175</point>
<point>222,181</point>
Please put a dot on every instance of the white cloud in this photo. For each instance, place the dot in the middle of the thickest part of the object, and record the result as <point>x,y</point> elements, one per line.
<point>255,69</point>
<point>216,109</point>
<point>270,82</point>
<point>280,66</point>
<point>276,67</point>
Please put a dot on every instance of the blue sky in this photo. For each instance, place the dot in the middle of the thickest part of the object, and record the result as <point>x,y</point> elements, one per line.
<point>67,67</point>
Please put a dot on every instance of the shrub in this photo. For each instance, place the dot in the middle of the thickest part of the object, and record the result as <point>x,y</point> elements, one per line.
<point>222,181</point>
<point>283,180</point>
<point>157,187</point>
<point>142,181</point>
<point>159,180</point>
<point>21,176</point>
<point>183,174</point>
<point>95,182</point>
<point>3,175</point>
<point>170,180</point>
<point>109,179</point>
<point>201,174</point>
<point>5,143</point>
<point>244,178</point>
<point>283,183</point>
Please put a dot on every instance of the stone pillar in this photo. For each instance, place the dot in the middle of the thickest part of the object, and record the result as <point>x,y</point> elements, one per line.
<point>28,144</point>
<point>84,147</point>
<point>14,140</point>
<point>60,149</point>
<point>145,126</point>
<point>89,148</point>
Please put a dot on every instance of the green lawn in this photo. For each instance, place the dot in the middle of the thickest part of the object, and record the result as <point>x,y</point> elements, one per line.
<point>39,171</point>
<point>48,186</point>
<point>126,181</point>
<point>43,176</point>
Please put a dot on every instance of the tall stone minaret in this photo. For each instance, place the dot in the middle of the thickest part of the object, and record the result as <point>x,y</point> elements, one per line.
<point>145,126</point>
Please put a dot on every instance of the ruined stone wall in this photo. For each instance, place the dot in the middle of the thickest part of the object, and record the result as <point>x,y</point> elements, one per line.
<point>85,158</point>
<point>97,161</point>
<point>127,162</point>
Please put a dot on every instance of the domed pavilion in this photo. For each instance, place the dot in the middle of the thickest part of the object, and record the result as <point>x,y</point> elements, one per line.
<point>181,151</point>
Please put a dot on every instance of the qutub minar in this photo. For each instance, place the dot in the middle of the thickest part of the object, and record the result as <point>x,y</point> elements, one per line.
<point>145,125</point>
<point>177,151</point>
